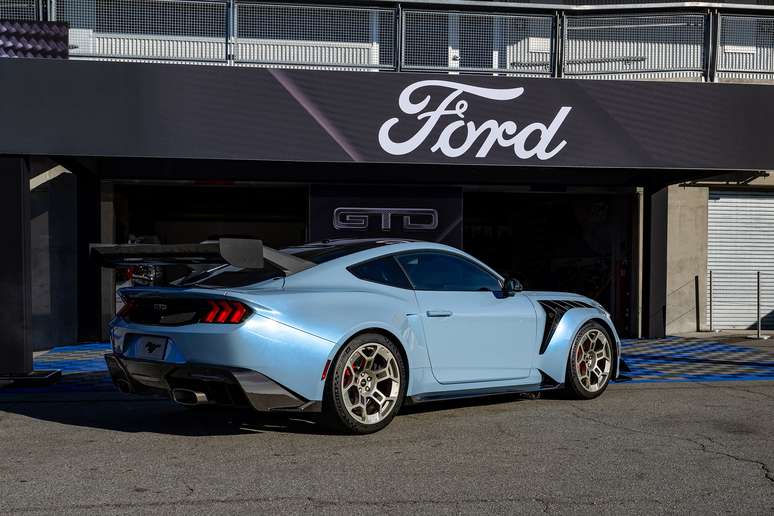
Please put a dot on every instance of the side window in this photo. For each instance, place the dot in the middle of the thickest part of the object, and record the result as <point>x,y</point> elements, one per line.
<point>383,270</point>
<point>441,271</point>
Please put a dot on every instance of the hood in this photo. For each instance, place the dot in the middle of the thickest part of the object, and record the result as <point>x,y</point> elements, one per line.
<point>545,294</point>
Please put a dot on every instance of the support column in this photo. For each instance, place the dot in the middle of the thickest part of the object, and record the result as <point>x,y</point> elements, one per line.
<point>645,265</point>
<point>108,276</point>
<point>654,316</point>
<point>654,252</point>
<point>89,275</point>
<point>15,278</point>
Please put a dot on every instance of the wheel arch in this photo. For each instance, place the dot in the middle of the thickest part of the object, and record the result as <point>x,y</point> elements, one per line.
<point>390,335</point>
<point>380,331</point>
<point>555,359</point>
<point>614,336</point>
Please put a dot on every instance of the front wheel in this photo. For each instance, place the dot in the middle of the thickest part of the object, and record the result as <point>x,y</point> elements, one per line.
<point>590,363</point>
<point>367,386</point>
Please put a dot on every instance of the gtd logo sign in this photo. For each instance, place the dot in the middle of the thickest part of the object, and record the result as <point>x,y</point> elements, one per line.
<point>360,218</point>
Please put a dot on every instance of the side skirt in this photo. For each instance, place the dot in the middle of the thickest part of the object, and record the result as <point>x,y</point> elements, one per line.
<point>486,391</point>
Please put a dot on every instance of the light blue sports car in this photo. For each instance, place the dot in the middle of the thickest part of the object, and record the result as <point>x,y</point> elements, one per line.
<point>351,329</point>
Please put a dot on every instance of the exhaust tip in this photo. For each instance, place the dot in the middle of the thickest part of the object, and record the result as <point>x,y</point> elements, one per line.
<point>189,397</point>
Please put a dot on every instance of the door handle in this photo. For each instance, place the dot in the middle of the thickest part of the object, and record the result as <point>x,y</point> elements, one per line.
<point>439,313</point>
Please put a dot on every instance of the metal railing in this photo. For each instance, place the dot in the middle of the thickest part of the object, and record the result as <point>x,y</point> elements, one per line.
<point>740,301</point>
<point>313,36</point>
<point>473,42</point>
<point>635,47</point>
<point>692,46</point>
<point>19,10</point>
<point>746,48</point>
<point>155,30</point>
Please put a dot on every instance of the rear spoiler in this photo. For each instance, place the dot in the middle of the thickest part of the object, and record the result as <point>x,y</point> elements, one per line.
<point>240,252</point>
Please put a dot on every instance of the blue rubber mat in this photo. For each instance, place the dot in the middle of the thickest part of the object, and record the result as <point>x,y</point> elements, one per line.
<point>676,359</point>
<point>83,369</point>
<point>672,359</point>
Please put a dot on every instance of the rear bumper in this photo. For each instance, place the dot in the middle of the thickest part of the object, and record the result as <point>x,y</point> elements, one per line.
<point>227,386</point>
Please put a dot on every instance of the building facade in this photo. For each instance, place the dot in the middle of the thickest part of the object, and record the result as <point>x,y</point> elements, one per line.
<point>617,150</point>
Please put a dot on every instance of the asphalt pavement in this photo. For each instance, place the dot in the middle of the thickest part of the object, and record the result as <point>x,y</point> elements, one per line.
<point>693,447</point>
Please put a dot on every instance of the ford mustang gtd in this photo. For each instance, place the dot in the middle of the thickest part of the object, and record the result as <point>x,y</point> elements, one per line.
<point>349,328</point>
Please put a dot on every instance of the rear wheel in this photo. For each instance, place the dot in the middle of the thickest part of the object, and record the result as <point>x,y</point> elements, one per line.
<point>367,386</point>
<point>590,363</point>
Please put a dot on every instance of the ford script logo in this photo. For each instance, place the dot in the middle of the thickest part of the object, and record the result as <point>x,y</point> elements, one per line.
<point>478,136</point>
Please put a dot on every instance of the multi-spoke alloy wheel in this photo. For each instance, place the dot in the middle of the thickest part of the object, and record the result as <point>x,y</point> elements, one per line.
<point>591,362</point>
<point>368,384</point>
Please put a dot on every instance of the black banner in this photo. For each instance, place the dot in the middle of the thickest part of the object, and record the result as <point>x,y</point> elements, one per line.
<point>177,111</point>
<point>430,214</point>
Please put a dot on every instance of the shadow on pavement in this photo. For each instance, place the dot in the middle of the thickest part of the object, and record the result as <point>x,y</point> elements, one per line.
<point>435,406</point>
<point>159,416</point>
<point>164,417</point>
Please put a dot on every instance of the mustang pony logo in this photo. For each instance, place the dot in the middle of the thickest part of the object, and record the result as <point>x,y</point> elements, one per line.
<point>505,134</point>
<point>150,347</point>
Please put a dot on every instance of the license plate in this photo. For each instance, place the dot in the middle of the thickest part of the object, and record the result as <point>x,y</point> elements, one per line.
<point>151,348</point>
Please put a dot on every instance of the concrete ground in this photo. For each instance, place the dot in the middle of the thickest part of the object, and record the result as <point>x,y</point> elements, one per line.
<point>741,337</point>
<point>640,448</point>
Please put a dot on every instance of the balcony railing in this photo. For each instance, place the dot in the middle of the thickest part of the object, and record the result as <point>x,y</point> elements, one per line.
<point>312,36</point>
<point>746,49</point>
<point>474,42</point>
<point>705,45</point>
<point>635,47</point>
<point>19,10</point>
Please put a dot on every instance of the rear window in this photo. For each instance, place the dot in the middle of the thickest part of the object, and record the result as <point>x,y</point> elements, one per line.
<point>321,253</point>
<point>228,276</point>
<point>383,270</point>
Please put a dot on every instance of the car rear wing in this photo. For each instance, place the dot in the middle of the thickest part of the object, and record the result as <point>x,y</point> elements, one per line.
<point>245,253</point>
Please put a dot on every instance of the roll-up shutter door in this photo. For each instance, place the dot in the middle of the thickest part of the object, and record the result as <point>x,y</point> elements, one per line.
<point>740,243</point>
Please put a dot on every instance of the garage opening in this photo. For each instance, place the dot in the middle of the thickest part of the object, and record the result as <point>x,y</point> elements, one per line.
<point>584,242</point>
<point>576,242</point>
<point>185,213</point>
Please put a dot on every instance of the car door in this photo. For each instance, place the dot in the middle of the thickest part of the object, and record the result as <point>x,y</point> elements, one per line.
<point>474,332</point>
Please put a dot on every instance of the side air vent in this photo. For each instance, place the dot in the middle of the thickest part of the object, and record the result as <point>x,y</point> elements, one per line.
<point>555,310</point>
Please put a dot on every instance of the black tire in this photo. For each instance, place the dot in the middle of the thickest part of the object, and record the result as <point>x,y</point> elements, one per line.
<point>573,384</point>
<point>335,414</point>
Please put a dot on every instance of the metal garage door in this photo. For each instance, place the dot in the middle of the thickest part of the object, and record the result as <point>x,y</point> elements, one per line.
<point>741,243</point>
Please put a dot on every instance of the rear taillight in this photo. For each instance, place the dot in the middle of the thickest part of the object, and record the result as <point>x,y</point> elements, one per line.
<point>225,312</point>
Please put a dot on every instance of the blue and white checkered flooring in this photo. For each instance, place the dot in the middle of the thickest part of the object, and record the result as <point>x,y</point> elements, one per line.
<point>676,359</point>
<point>83,368</point>
<point>672,359</point>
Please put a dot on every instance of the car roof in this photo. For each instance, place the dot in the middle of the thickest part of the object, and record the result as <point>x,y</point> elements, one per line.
<point>328,250</point>
<point>354,251</point>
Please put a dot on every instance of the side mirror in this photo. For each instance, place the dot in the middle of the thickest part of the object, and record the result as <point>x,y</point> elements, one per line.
<point>511,286</point>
